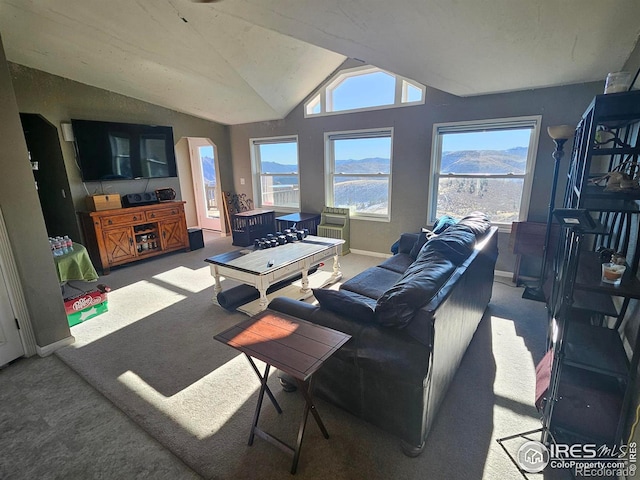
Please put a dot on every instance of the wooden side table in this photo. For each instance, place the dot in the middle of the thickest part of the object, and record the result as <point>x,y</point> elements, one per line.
<point>295,346</point>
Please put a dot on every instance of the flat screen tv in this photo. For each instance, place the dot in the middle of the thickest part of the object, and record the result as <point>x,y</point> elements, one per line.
<point>123,151</point>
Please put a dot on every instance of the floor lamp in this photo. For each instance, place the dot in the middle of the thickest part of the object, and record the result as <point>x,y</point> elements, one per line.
<point>560,134</point>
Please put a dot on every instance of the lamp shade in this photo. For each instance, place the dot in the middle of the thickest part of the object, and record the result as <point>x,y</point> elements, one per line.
<point>561,132</point>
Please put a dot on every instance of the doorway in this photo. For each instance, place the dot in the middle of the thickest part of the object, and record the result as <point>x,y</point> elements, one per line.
<point>10,342</point>
<point>50,176</point>
<point>206,184</point>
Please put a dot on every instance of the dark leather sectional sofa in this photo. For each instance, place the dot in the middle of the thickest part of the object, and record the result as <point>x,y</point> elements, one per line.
<point>411,319</point>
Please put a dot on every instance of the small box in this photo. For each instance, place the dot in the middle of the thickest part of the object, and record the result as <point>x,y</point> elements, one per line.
<point>84,301</point>
<point>196,240</point>
<point>97,203</point>
<point>87,313</point>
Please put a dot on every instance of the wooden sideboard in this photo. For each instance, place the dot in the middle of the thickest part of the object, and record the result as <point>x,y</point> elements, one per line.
<point>119,236</point>
<point>527,238</point>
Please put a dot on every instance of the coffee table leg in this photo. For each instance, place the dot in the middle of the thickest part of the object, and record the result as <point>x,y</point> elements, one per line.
<point>262,285</point>
<point>337,274</point>
<point>305,281</point>
<point>217,287</point>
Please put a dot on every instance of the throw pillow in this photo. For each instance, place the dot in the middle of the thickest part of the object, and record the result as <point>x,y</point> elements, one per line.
<point>344,302</point>
<point>443,223</point>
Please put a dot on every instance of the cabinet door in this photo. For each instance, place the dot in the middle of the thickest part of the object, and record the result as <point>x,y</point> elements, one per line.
<point>173,234</point>
<point>119,245</point>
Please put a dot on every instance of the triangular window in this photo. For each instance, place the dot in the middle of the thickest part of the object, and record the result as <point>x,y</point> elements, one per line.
<point>364,88</point>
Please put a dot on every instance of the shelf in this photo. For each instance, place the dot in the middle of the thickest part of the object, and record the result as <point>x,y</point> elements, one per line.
<point>589,275</point>
<point>588,405</point>
<point>593,370</point>
<point>594,302</point>
<point>147,252</point>
<point>595,191</point>
<point>595,348</point>
<point>604,151</point>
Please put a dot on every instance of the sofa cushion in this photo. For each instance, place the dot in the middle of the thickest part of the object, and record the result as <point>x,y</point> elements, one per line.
<point>372,283</point>
<point>477,222</point>
<point>436,262</point>
<point>344,302</point>
<point>456,244</point>
<point>398,263</point>
<point>397,306</point>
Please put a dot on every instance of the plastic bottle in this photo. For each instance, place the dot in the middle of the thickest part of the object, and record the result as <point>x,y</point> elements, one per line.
<point>69,243</point>
<point>63,245</point>
<point>57,248</point>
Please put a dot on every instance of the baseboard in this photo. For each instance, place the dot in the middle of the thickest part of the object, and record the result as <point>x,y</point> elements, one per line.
<point>502,273</point>
<point>52,347</point>
<point>371,254</point>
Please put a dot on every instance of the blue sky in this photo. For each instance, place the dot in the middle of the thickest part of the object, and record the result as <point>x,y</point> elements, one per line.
<point>378,89</point>
<point>486,140</point>
<point>206,152</point>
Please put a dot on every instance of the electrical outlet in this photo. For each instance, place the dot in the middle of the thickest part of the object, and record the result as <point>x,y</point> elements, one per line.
<point>242,181</point>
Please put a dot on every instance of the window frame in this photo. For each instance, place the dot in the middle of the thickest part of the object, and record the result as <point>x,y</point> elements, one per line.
<point>257,174</point>
<point>321,97</point>
<point>532,121</point>
<point>330,174</point>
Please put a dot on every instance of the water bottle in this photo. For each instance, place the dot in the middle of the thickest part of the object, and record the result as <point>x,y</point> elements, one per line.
<point>57,248</point>
<point>69,243</point>
<point>63,245</point>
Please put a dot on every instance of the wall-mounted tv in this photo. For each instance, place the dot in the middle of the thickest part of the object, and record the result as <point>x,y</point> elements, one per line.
<point>123,151</point>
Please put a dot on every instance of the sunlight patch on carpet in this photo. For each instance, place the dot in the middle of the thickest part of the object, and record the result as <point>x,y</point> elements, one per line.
<point>127,305</point>
<point>193,408</point>
<point>187,279</point>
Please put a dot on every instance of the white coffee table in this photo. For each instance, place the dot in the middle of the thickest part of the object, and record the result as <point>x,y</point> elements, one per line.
<point>263,268</point>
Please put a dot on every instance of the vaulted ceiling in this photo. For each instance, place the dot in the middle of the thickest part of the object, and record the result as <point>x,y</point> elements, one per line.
<point>239,61</point>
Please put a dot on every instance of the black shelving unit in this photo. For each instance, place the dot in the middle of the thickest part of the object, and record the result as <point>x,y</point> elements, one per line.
<point>592,374</point>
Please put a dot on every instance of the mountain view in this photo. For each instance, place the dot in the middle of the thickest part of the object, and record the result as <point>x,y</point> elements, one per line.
<point>208,170</point>
<point>513,160</point>
<point>498,197</point>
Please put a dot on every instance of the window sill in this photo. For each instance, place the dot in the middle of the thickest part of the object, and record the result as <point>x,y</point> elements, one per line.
<point>371,219</point>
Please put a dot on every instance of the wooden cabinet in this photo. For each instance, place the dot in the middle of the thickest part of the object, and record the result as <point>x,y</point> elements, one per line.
<point>116,237</point>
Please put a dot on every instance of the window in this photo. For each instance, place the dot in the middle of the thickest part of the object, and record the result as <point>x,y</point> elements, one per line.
<point>275,171</point>
<point>364,88</point>
<point>359,172</point>
<point>486,166</point>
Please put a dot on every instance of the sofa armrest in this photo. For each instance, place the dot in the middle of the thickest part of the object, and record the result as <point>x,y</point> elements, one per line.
<point>293,307</point>
<point>407,241</point>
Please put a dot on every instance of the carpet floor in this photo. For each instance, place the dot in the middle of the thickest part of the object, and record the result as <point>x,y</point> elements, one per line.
<point>154,357</point>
